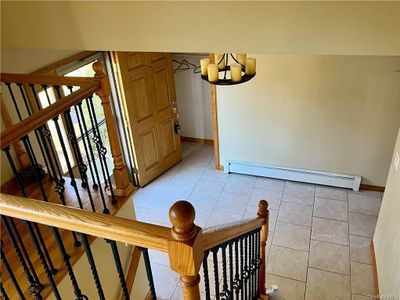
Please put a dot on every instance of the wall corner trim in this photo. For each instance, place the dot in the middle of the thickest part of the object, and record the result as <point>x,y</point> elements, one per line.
<point>374,269</point>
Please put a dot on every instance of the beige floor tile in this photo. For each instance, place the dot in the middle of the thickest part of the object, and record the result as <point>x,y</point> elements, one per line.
<point>360,250</point>
<point>296,192</point>
<point>291,236</point>
<point>288,288</point>
<point>207,190</point>
<point>366,193</point>
<point>219,217</point>
<point>294,213</point>
<point>330,231</point>
<point>251,212</point>
<point>178,294</point>
<point>324,285</point>
<point>165,280</point>
<point>363,204</point>
<point>270,184</point>
<point>287,263</point>
<point>329,257</point>
<point>240,184</point>
<point>362,225</point>
<point>273,197</point>
<point>330,209</point>
<point>362,279</point>
<point>331,193</point>
<point>232,203</point>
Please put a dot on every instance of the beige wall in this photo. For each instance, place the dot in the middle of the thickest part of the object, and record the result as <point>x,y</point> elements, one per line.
<point>324,27</point>
<point>327,113</point>
<point>194,101</point>
<point>387,233</point>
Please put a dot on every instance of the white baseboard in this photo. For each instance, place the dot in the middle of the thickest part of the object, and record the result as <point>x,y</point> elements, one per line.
<point>301,175</point>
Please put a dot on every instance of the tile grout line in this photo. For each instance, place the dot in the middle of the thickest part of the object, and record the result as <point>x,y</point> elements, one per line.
<point>309,244</point>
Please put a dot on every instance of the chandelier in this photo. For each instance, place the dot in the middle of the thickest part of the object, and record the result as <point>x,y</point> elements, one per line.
<point>228,69</point>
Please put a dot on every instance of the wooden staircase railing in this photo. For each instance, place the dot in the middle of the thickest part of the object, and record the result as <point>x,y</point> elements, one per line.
<point>185,242</point>
<point>87,86</point>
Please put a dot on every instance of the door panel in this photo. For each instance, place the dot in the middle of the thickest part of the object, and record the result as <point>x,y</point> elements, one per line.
<point>141,97</point>
<point>149,89</point>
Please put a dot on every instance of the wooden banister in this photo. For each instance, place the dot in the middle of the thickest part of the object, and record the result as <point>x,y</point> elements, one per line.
<point>109,227</point>
<point>15,132</point>
<point>216,235</point>
<point>46,79</point>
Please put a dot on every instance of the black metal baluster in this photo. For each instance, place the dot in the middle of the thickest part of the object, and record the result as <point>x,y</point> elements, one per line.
<point>49,272</point>
<point>64,150</point>
<point>237,281</point>
<point>95,186</point>
<point>231,269</point>
<point>92,264</point>
<point>258,262</point>
<point>241,269</point>
<point>251,236</point>
<point>205,277</point>
<point>78,157</point>
<point>120,271</point>
<point>216,275</point>
<point>246,267</point>
<point>101,149</point>
<point>149,273</point>
<point>46,135</point>
<point>25,253</point>
<point>28,110</point>
<point>11,274</point>
<point>35,287</point>
<point>35,226</point>
<point>225,294</point>
<point>55,231</point>
<point>105,209</point>
<point>3,291</point>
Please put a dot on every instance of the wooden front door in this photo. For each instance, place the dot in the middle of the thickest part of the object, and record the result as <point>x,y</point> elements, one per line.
<point>149,91</point>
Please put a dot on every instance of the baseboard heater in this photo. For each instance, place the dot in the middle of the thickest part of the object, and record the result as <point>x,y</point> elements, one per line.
<point>300,175</point>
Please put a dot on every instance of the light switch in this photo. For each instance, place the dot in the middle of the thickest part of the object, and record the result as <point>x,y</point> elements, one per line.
<point>396,161</point>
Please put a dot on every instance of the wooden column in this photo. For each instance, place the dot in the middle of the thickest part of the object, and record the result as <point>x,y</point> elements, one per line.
<point>263,213</point>
<point>123,185</point>
<point>22,156</point>
<point>185,248</point>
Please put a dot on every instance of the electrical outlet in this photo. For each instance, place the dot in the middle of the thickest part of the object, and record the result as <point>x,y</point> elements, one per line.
<point>396,161</point>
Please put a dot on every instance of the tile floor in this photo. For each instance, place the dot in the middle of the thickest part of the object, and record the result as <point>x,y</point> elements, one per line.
<point>318,246</point>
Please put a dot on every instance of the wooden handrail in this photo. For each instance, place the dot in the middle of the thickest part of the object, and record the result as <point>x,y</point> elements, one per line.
<point>216,235</point>
<point>109,227</point>
<point>46,79</point>
<point>17,131</point>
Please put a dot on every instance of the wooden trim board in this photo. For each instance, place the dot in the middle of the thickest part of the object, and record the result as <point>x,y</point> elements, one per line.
<point>375,270</point>
<point>215,120</point>
<point>372,187</point>
<point>196,140</point>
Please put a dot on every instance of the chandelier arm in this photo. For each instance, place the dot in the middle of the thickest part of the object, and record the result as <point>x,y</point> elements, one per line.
<point>243,66</point>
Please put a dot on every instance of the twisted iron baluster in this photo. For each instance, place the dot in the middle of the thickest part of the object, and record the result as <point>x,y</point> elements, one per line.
<point>149,272</point>
<point>120,271</point>
<point>11,274</point>
<point>231,269</point>
<point>242,270</point>
<point>237,284</point>
<point>100,148</point>
<point>105,209</point>
<point>45,134</point>
<point>35,226</point>
<point>216,275</point>
<point>56,233</point>
<point>81,166</point>
<point>35,286</point>
<point>226,293</point>
<point>92,264</point>
<point>206,278</point>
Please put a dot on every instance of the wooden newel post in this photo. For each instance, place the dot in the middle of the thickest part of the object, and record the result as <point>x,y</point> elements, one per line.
<point>263,213</point>
<point>123,185</point>
<point>185,248</point>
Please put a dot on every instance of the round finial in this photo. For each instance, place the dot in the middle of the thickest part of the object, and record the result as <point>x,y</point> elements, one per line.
<point>262,209</point>
<point>98,68</point>
<point>182,215</point>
